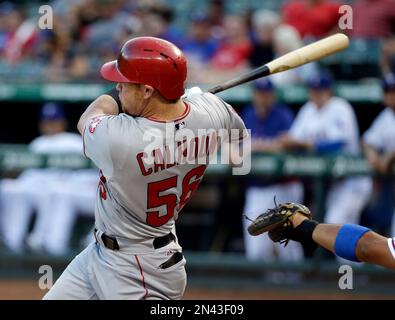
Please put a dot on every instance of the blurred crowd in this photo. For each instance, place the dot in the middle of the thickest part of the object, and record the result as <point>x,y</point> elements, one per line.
<point>218,43</point>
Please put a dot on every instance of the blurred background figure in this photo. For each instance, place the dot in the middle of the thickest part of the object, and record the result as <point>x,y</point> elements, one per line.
<point>231,57</point>
<point>286,39</point>
<point>326,124</point>
<point>199,46</point>
<point>18,33</point>
<point>30,192</point>
<point>373,19</point>
<point>156,22</point>
<point>312,18</point>
<point>387,55</point>
<point>264,22</point>
<point>69,199</point>
<point>379,148</point>
<point>267,119</point>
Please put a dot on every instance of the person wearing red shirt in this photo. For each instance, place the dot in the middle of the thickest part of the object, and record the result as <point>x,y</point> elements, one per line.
<point>373,18</point>
<point>236,47</point>
<point>312,18</point>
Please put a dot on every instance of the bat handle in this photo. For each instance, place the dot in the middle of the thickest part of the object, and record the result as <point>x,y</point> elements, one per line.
<point>216,89</point>
<point>250,76</point>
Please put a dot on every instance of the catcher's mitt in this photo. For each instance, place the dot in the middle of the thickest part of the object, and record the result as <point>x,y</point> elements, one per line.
<point>278,221</point>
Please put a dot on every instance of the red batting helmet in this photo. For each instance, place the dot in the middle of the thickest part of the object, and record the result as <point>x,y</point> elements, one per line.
<point>151,61</point>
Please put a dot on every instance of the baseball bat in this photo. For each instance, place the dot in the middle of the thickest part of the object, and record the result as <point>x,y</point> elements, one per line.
<point>311,52</point>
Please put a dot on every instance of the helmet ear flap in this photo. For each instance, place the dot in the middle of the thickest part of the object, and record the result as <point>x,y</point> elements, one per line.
<point>151,61</point>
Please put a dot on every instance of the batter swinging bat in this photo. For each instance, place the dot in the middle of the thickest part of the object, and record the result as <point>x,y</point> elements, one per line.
<point>293,59</point>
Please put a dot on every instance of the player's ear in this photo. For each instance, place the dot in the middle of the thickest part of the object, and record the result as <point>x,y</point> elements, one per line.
<point>148,91</point>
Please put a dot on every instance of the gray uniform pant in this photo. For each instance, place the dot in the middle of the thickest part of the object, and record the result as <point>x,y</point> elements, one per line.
<point>132,272</point>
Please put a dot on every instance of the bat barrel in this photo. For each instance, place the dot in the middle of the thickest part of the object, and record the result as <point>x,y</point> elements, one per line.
<point>293,59</point>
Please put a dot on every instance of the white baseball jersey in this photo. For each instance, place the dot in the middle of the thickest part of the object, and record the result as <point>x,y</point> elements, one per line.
<point>32,189</point>
<point>57,143</point>
<point>391,246</point>
<point>336,122</point>
<point>333,122</point>
<point>138,200</point>
<point>381,134</point>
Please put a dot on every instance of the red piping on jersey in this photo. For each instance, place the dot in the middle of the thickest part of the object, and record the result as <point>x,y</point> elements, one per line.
<point>185,113</point>
<point>142,276</point>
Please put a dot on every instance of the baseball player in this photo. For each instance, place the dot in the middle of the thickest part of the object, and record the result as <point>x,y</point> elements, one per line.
<point>267,119</point>
<point>29,192</point>
<point>327,124</point>
<point>379,139</point>
<point>349,241</point>
<point>67,199</point>
<point>292,221</point>
<point>142,188</point>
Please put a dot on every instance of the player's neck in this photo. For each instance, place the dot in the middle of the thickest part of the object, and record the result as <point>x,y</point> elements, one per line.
<point>164,111</point>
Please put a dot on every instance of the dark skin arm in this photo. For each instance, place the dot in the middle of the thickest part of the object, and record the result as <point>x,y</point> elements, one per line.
<point>371,248</point>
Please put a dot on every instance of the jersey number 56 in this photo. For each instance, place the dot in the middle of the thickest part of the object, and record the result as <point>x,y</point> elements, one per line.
<point>189,185</point>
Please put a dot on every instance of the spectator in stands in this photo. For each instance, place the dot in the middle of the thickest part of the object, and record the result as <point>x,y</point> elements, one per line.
<point>387,58</point>
<point>326,124</point>
<point>379,143</point>
<point>199,47</point>
<point>32,190</point>
<point>18,34</point>
<point>373,18</point>
<point>264,22</point>
<point>312,18</point>
<point>231,57</point>
<point>267,119</point>
<point>156,22</point>
<point>286,39</point>
<point>216,13</point>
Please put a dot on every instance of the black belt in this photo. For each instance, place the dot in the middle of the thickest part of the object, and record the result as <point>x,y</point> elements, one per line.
<point>159,242</point>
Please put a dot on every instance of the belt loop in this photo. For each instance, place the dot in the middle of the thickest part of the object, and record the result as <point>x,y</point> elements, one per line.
<point>94,233</point>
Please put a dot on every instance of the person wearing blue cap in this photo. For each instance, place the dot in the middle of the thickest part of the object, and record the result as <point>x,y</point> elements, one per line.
<point>199,46</point>
<point>327,124</point>
<point>379,148</point>
<point>33,190</point>
<point>267,118</point>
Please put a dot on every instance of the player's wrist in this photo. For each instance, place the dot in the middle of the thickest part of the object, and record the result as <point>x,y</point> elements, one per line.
<point>297,219</point>
<point>303,233</point>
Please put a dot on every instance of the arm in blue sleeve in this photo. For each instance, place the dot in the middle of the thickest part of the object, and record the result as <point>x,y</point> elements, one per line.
<point>329,146</point>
